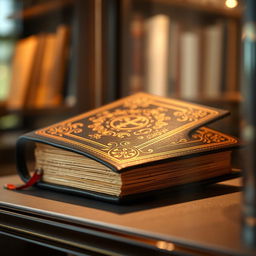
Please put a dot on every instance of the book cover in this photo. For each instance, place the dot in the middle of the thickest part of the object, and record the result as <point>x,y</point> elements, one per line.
<point>141,124</point>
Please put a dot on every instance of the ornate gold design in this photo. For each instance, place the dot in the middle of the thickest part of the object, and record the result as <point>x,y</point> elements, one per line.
<point>157,133</point>
<point>180,141</point>
<point>143,131</point>
<point>123,123</point>
<point>138,102</point>
<point>151,122</point>
<point>204,135</point>
<point>122,150</point>
<point>129,122</point>
<point>207,136</point>
<point>65,129</point>
<point>123,153</point>
<point>190,115</point>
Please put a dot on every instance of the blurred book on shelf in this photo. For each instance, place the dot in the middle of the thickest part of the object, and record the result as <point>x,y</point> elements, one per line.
<point>38,70</point>
<point>189,58</point>
<point>137,31</point>
<point>189,64</point>
<point>22,71</point>
<point>156,61</point>
<point>173,58</point>
<point>232,55</point>
<point>212,59</point>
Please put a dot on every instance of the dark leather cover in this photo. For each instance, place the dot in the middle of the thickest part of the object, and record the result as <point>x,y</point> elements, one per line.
<point>134,131</point>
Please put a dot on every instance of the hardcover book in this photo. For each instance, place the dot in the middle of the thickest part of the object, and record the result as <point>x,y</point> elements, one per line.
<point>133,146</point>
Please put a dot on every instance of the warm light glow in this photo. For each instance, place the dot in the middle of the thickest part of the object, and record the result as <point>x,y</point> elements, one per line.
<point>165,245</point>
<point>231,3</point>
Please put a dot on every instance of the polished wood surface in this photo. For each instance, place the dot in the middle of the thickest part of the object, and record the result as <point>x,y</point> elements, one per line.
<point>207,219</point>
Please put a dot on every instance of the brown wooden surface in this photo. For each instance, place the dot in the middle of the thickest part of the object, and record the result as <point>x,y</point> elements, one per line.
<point>41,8</point>
<point>208,219</point>
<point>205,7</point>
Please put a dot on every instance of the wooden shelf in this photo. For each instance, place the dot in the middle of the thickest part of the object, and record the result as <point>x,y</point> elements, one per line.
<point>38,111</point>
<point>41,9</point>
<point>206,7</point>
<point>46,111</point>
<point>225,98</point>
<point>205,221</point>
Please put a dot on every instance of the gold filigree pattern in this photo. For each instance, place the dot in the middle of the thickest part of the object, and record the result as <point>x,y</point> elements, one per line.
<point>122,150</point>
<point>190,115</point>
<point>143,132</point>
<point>129,122</point>
<point>208,136</point>
<point>123,123</point>
<point>157,133</point>
<point>123,153</point>
<point>147,122</point>
<point>65,129</point>
<point>140,102</point>
<point>180,141</point>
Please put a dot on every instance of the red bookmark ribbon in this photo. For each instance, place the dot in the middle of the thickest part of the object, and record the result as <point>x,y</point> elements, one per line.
<point>33,180</point>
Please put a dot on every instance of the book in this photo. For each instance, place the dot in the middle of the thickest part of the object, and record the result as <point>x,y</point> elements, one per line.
<point>44,82</point>
<point>32,90</point>
<point>23,63</point>
<point>38,70</point>
<point>156,54</point>
<point>231,77</point>
<point>53,68</point>
<point>213,60</point>
<point>189,64</point>
<point>132,146</point>
<point>137,50</point>
<point>7,48</point>
<point>60,61</point>
<point>174,56</point>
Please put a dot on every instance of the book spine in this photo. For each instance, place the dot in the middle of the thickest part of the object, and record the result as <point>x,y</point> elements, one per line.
<point>213,60</point>
<point>173,64</point>
<point>231,66</point>
<point>59,65</point>
<point>157,29</point>
<point>137,45</point>
<point>22,71</point>
<point>44,85</point>
<point>31,99</point>
<point>189,64</point>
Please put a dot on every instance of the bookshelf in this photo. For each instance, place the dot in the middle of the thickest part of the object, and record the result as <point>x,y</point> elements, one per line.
<point>56,63</point>
<point>33,10</point>
<point>186,30</point>
<point>88,26</point>
<point>109,55</point>
<point>183,49</point>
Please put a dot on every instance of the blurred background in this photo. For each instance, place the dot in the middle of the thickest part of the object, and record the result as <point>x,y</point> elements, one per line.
<point>59,58</point>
